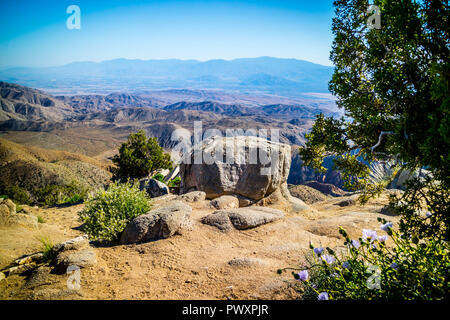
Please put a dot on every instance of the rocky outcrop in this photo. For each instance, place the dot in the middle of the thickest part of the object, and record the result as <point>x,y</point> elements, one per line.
<point>242,218</point>
<point>239,172</point>
<point>9,216</point>
<point>160,223</point>
<point>74,252</point>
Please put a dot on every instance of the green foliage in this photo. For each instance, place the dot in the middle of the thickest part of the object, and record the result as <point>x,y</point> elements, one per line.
<point>107,213</point>
<point>47,249</point>
<point>55,194</point>
<point>40,219</point>
<point>139,156</point>
<point>370,270</point>
<point>75,199</point>
<point>393,84</point>
<point>18,194</point>
<point>174,183</point>
<point>4,196</point>
<point>159,177</point>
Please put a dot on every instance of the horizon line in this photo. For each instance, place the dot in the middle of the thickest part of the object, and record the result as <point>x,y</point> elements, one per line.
<point>161,59</point>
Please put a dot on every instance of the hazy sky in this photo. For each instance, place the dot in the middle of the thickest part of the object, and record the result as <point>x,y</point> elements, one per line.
<point>34,33</point>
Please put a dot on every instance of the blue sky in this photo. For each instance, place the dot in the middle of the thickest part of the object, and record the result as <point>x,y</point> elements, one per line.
<point>34,33</point>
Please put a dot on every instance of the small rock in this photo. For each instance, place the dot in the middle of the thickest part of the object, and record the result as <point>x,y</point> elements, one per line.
<point>36,257</point>
<point>242,218</point>
<point>77,243</point>
<point>193,196</point>
<point>81,258</point>
<point>154,187</point>
<point>225,202</point>
<point>160,223</point>
<point>20,269</point>
<point>2,276</point>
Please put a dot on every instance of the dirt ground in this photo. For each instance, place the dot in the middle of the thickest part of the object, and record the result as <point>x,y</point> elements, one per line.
<point>203,263</point>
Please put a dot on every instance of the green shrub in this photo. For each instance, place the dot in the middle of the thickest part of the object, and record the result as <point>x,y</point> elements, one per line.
<point>369,270</point>
<point>18,195</point>
<point>159,177</point>
<point>3,196</point>
<point>75,199</point>
<point>55,194</point>
<point>47,250</point>
<point>107,213</point>
<point>40,219</point>
<point>139,156</point>
<point>174,183</point>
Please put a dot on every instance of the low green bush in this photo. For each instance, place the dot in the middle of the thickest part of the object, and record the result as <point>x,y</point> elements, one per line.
<point>55,194</point>
<point>108,212</point>
<point>370,270</point>
<point>158,177</point>
<point>174,183</point>
<point>17,194</point>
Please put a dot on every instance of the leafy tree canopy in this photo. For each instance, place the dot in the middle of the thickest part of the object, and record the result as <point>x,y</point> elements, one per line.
<point>393,83</point>
<point>139,156</point>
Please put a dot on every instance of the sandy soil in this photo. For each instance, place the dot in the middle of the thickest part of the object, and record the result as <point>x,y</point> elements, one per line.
<point>195,265</point>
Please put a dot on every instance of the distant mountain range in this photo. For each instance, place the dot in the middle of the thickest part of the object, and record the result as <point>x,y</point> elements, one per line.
<point>94,125</point>
<point>285,77</point>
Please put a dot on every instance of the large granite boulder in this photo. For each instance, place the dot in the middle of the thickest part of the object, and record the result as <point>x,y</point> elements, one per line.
<point>160,223</point>
<point>258,169</point>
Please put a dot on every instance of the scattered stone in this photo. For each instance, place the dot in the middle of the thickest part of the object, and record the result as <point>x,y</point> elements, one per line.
<point>35,257</point>
<point>20,269</point>
<point>193,196</point>
<point>2,276</point>
<point>160,223</point>
<point>154,187</point>
<point>225,202</point>
<point>242,218</point>
<point>81,258</point>
<point>77,243</point>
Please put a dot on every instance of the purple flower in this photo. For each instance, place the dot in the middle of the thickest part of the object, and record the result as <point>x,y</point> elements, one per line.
<point>318,251</point>
<point>303,275</point>
<point>368,234</point>
<point>346,265</point>
<point>428,214</point>
<point>382,238</point>
<point>334,275</point>
<point>323,296</point>
<point>328,259</point>
<point>386,226</point>
<point>394,265</point>
<point>356,244</point>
